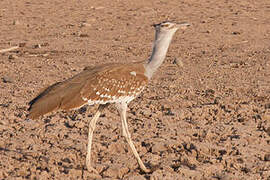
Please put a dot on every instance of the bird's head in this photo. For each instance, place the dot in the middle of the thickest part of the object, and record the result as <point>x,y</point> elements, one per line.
<point>170,26</point>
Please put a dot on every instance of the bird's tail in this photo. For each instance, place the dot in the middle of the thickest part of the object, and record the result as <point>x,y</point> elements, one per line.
<point>62,95</point>
<point>45,102</point>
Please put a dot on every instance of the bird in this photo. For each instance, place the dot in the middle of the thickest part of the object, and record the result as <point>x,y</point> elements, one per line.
<point>111,83</point>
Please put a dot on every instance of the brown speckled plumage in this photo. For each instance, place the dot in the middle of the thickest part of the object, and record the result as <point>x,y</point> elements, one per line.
<point>108,83</point>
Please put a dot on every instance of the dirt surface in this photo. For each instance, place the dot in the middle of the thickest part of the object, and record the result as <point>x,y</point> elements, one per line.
<point>205,114</point>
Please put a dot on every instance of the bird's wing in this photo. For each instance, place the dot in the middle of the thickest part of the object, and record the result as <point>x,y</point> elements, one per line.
<point>51,99</point>
<point>62,95</point>
<point>100,85</point>
<point>114,83</point>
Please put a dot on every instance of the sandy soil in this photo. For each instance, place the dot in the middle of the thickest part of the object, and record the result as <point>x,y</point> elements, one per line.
<point>205,115</point>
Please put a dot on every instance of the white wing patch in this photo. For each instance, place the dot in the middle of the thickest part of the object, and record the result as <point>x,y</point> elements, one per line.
<point>114,99</point>
<point>133,73</point>
<point>126,99</point>
<point>121,92</point>
<point>84,98</point>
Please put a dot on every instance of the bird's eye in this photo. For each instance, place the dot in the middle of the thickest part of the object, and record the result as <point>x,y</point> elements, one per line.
<point>164,25</point>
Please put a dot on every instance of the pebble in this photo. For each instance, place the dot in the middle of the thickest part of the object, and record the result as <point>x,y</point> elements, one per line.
<point>156,175</point>
<point>80,124</point>
<point>136,177</point>
<point>16,22</point>
<point>165,175</point>
<point>100,167</point>
<point>90,175</point>
<point>43,175</point>
<point>97,8</point>
<point>268,131</point>
<point>7,79</point>
<point>158,147</point>
<point>155,160</point>
<point>117,148</point>
<point>267,157</point>
<point>266,117</point>
<point>70,124</point>
<point>23,172</point>
<point>37,46</point>
<point>75,173</point>
<point>178,62</point>
<point>12,56</point>
<point>85,24</point>
<point>116,171</point>
<point>83,35</point>
<point>22,44</point>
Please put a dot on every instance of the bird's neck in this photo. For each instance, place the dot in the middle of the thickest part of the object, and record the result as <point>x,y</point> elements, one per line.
<point>160,48</point>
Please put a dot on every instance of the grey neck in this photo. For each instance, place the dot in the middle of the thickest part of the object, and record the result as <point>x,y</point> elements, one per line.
<point>161,45</point>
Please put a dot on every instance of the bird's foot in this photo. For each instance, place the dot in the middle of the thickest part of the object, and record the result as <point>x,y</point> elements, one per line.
<point>144,169</point>
<point>147,170</point>
<point>91,169</point>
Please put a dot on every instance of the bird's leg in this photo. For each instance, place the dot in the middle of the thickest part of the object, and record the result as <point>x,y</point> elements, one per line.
<point>122,108</point>
<point>92,126</point>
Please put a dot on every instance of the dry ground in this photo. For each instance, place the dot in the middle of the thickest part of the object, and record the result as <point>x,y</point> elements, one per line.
<point>207,119</point>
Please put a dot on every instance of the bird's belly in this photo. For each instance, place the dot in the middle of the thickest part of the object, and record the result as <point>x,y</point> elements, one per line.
<point>125,99</point>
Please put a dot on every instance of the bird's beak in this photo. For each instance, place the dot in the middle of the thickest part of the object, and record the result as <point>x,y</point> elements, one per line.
<point>182,25</point>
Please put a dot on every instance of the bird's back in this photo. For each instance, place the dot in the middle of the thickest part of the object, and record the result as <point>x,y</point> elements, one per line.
<point>108,83</point>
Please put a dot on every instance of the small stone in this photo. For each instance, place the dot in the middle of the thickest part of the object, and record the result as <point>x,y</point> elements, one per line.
<point>116,171</point>
<point>22,44</point>
<point>7,79</point>
<point>266,117</point>
<point>45,55</point>
<point>267,157</point>
<point>2,128</point>
<point>267,106</point>
<point>44,175</point>
<point>178,62</point>
<point>37,46</point>
<point>222,152</point>
<point>155,160</point>
<point>147,112</point>
<point>158,147</point>
<point>83,35</point>
<point>236,33</point>
<point>5,105</point>
<point>45,44</point>
<point>22,172</point>
<point>3,175</point>
<point>16,22</point>
<point>156,175</point>
<point>90,175</point>
<point>76,173</point>
<point>100,167</point>
<point>268,131</point>
<point>70,124</point>
<point>12,56</point>
<point>135,177</point>
<point>80,124</point>
<point>186,172</point>
<point>85,25</point>
<point>100,7</point>
<point>117,148</point>
<point>97,8</point>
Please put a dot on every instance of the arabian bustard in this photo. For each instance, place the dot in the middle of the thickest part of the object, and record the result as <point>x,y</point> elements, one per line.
<point>106,84</point>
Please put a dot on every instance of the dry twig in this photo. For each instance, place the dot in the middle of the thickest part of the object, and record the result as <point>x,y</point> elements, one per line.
<point>9,49</point>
